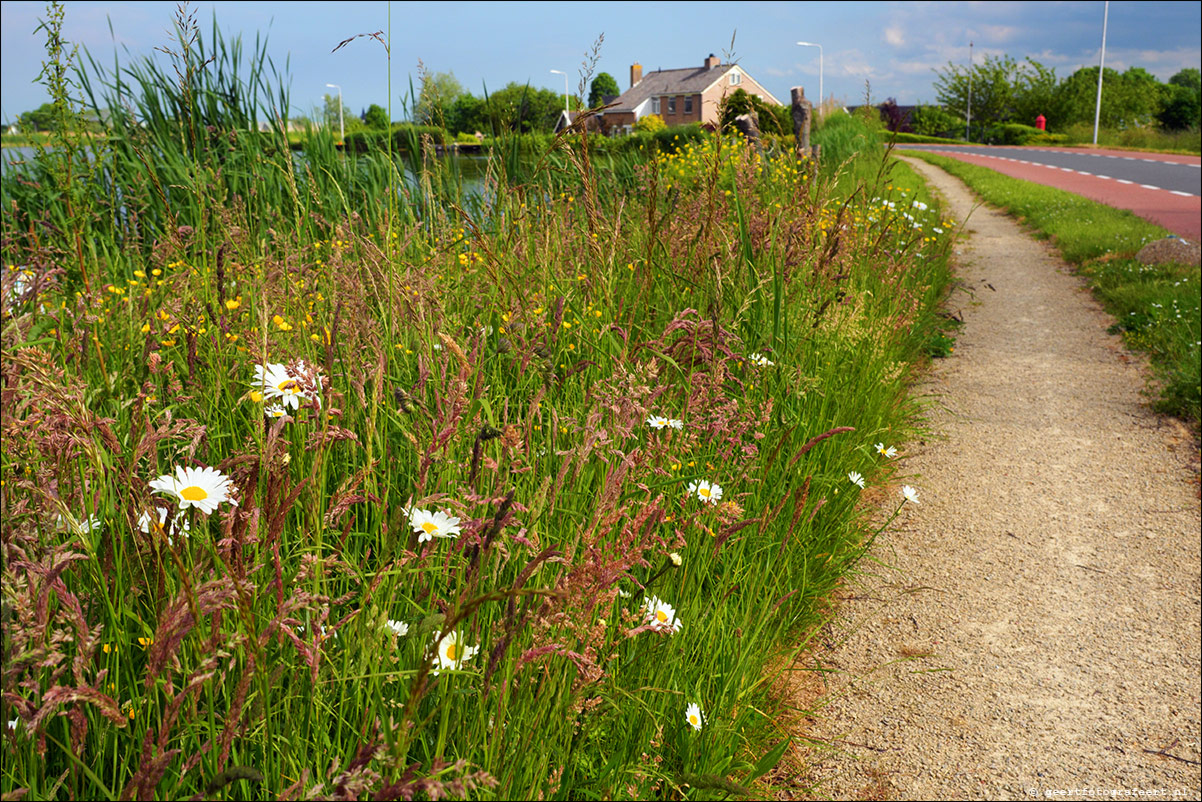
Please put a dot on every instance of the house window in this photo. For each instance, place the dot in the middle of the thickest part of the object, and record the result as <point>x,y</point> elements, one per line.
<point>655,105</point>
<point>688,104</point>
<point>671,105</point>
<point>735,78</point>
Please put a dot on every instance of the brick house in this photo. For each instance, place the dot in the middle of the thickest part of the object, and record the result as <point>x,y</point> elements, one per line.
<point>686,95</point>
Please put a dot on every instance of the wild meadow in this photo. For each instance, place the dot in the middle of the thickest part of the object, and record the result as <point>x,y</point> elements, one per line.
<point>325,478</point>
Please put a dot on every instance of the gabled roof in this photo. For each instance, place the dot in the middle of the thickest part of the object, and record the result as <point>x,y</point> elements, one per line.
<point>687,81</point>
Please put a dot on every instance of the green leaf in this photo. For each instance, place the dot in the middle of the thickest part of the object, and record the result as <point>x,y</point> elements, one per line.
<point>767,762</point>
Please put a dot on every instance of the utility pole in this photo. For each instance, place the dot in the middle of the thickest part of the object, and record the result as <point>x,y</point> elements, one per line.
<point>1097,112</point>
<point>968,122</point>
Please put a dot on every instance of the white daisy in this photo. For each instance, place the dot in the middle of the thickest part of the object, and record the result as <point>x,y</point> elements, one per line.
<point>676,559</point>
<point>399,627</point>
<point>909,494</point>
<point>760,361</point>
<point>92,524</point>
<point>178,524</point>
<point>705,491</point>
<point>202,488</point>
<point>451,654</point>
<point>661,615</point>
<point>694,716</point>
<point>889,452</point>
<point>856,479</point>
<point>275,411</point>
<point>433,524</point>
<point>657,422</point>
<point>276,381</point>
<point>676,424</point>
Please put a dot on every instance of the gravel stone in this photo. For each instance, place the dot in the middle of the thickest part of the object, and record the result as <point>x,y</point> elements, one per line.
<point>1032,628</point>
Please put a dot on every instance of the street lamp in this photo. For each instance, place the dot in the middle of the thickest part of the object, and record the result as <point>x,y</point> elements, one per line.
<point>565,94</point>
<point>341,127</point>
<point>811,44</point>
<point>1097,112</point>
<point>968,122</point>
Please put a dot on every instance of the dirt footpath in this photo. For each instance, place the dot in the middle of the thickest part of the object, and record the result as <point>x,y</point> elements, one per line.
<point>1032,628</point>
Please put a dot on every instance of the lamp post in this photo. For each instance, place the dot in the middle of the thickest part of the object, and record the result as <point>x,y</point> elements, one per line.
<point>341,127</point>
<point>820,96</point>
<point>567,119</point>
<point>968,122</point>
<point>1097,112</point>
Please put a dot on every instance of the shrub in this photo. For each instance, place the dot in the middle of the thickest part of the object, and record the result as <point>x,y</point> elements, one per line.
<point>1011,134</point>
<point>650,123</point>
<point>936,121</point>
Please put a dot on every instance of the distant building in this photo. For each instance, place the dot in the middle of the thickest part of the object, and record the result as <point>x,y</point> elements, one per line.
<point>685,95</point>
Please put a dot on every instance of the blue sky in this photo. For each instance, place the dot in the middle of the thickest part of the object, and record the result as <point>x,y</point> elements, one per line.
<point>892,45</point>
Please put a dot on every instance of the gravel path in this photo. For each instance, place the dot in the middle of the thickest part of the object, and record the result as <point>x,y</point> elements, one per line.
<point>1032,626</point>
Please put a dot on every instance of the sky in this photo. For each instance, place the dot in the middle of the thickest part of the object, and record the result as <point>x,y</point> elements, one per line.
<point>893,47</point>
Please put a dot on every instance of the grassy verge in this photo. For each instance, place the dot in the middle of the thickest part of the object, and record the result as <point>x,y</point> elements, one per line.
<point>529,494</point>
<point>1156,307</point>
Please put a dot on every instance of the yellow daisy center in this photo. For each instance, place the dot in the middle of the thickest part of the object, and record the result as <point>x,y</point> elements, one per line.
<point>661,616</point>
<point>451,652</point>
<point>287,385</point>
<point>430,528</point>
<point>694,720</point>
<point>194,493</point>
<point>704,492</point>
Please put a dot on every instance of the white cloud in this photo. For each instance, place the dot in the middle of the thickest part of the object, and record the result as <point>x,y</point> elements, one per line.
<point>996,34</point>
<point>894,36</point>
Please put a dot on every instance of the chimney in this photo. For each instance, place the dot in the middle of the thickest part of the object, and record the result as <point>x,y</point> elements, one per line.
<point>712,61</point>
<point>636,73</point>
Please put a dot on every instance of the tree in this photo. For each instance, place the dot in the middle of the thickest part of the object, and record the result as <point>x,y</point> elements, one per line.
<point>376,117</point>
<point>439,91</point>
<point>1181,101</point>
<point>894,118</point>
<point>43,118</point>
<point>603,85</point>
<point>1180,108</point>
<point>1190,78</point>
<point>740,102</point>
<point>467,114</point>
<point>1034,93</point>
<point>1129,99</point>
<point>992,89</point>
<point>522,109</point>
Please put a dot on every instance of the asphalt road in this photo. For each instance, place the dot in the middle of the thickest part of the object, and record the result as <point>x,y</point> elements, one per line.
<point>1136,168</point>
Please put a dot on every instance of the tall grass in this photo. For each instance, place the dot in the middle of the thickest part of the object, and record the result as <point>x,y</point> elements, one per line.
<point>507,367</point>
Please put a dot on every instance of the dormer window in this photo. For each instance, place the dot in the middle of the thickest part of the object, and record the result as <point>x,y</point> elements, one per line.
<point>735,79</point>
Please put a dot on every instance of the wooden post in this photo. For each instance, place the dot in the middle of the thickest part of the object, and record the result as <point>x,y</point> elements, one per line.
<point>803,111</point>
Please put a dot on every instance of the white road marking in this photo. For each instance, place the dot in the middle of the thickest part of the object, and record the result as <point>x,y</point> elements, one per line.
<point>1182,194</point>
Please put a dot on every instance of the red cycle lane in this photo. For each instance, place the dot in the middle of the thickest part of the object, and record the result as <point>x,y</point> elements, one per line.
<point>1180,214</point>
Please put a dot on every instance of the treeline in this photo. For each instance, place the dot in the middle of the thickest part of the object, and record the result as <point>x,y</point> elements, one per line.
<point>1006,91</point>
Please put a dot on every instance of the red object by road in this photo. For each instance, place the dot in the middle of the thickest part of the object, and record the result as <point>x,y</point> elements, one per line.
<point>1041,123</point>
